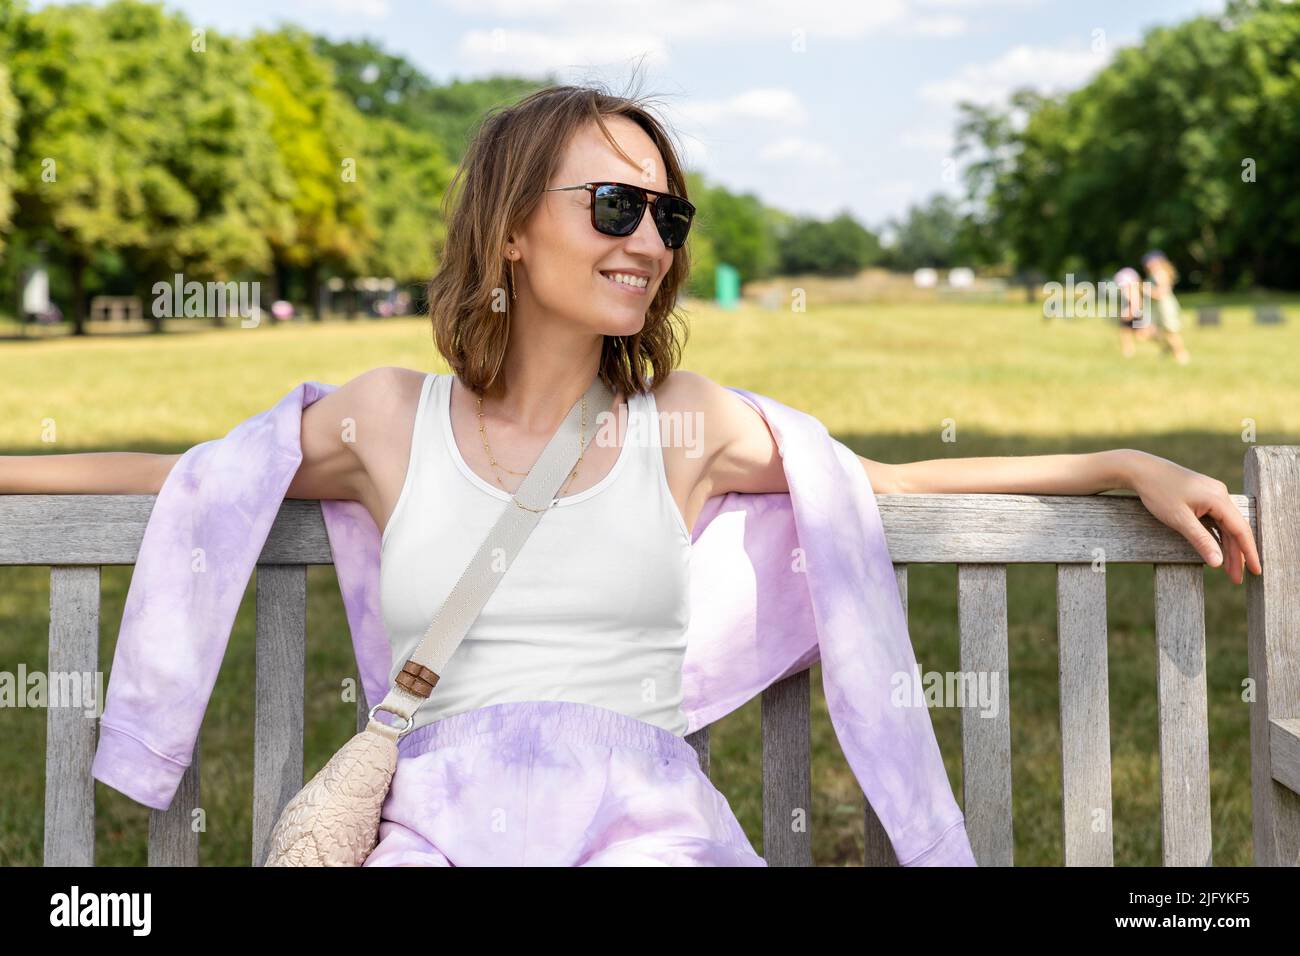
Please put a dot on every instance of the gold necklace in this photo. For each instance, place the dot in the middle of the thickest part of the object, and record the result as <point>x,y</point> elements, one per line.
<point>497,469</point>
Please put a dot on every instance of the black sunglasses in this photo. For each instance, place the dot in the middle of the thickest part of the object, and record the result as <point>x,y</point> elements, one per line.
<point>617,208</point>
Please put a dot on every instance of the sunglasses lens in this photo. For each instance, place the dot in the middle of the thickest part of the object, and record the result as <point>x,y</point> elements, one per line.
<point>673,219</point>
<point>617,210</point>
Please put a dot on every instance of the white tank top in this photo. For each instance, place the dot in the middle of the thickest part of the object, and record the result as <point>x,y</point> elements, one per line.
<point>594,608</point>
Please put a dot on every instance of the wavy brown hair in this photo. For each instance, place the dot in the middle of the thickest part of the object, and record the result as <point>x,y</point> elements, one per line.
<point>513,155</point>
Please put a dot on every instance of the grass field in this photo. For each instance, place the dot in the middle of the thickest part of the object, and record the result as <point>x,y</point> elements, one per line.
<point>883,378</point>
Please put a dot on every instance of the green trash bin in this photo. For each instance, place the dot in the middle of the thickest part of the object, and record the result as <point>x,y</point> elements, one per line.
<point>726,285</point>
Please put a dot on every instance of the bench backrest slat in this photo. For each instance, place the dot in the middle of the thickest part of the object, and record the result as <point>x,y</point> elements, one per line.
<point>1086,801</point>
<point>281,678</point>
<point>985,741</point>
<point>787,772</point>
<point>71,736</point>
<point>1183,721</point>
<point>174,833</point>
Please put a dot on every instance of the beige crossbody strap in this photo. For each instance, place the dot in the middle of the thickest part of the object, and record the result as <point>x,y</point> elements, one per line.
<point>534,497</point>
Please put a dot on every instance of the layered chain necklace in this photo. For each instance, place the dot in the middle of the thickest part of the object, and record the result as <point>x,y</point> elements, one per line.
<point>497,469</point>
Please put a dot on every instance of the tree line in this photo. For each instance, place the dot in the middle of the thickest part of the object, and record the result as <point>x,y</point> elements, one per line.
<point>135,145</point>
<point>1188,142</point>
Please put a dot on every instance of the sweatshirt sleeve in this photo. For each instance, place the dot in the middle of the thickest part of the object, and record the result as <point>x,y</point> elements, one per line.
<point>205,533</point>
<point>865,651</point>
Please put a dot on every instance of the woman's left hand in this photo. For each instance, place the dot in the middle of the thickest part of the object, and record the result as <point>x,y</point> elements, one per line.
<point>1181,498</point>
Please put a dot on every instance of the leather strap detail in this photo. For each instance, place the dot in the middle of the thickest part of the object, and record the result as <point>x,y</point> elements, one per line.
<point>417,678</point>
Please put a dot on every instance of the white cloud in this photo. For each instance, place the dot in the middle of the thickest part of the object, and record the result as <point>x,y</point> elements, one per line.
<point>896,191</point>
<point>487,51</point>
<point>1046,69</point>
<point>977,4</point>
<point>375,9</point>
<point>800,152</point>
<point>693,151</point>
<point>941,26</point>
<point>764,105</point>
<point>714,20</point>
<point>931,140</point>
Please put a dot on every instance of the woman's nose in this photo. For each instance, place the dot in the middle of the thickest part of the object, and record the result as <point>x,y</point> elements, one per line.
<point>645,238</point>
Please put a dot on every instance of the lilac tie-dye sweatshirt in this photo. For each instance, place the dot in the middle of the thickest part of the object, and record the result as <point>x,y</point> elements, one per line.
<point>778,581</point>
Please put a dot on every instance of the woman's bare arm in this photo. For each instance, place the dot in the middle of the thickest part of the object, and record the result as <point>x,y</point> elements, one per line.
<point>1085,473</point>
<point>85,473</point>
<point>333,428</point>
<point>743,456</point>
<point>1181,498</point>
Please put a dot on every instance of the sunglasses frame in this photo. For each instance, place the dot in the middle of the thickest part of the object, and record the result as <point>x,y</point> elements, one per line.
<point>649,197</point>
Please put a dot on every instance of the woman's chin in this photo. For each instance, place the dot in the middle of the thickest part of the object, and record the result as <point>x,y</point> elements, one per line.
<point>622,319</point>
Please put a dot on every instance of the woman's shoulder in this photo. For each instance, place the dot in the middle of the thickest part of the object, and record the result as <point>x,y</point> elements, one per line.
<point>393,377</point>
<point>686,391</point>
<point>724,420</point>
<point>383,405</point>
<point>389,389</point>
<point>383,402</point>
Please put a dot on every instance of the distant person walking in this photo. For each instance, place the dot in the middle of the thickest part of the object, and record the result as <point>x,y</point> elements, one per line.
<point>1131,311</point>
<point>1162,274</point>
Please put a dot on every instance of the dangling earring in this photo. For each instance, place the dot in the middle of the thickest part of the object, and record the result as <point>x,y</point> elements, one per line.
<point>512,276</point>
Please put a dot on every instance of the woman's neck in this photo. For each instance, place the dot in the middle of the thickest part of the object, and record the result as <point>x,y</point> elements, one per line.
<point>540,381</point>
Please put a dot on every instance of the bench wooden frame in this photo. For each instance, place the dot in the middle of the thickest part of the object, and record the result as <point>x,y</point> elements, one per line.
<point>76,534</point>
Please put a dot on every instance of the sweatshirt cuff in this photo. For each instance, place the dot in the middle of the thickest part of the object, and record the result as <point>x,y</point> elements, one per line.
<point>130,766</point>
<point>951,849</point>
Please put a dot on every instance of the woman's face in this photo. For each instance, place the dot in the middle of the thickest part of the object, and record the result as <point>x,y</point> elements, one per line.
<point>565,265</point>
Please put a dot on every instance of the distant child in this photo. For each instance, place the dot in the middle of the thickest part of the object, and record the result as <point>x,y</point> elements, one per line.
<point>1129,284</point>
<point>1163,276</point>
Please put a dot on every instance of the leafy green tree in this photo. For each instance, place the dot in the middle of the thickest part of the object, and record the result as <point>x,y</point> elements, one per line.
<point>737,229</point>
<point>1186,141</point>
<point>406,176</point>
<point>137,135</point>
<point>377,82</point>
<point>382,84</point>
<point>699,246</point>
<point>839,246</point>
<point>454,111</point>
<point>321,140</point>
<point>8,143</point>
<point>927,235</point>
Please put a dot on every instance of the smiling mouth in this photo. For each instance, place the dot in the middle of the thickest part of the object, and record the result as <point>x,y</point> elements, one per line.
<point>633,285</point>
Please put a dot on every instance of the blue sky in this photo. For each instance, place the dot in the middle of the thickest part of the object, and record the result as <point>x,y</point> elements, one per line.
<point>815,106</point>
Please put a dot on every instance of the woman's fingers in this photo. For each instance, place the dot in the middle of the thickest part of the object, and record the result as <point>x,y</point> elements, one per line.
<point>1233,558</point>
<point>1196,530</point>
<point>1233,537</point>
<point>1235,528</point>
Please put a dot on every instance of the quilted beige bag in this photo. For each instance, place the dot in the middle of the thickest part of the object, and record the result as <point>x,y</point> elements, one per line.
<point>334,819</point>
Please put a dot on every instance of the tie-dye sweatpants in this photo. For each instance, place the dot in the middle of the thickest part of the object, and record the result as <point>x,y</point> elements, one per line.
<point>554,783</point>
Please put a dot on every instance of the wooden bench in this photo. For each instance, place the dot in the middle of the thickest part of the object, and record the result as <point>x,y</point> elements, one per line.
<point>981,534</point>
